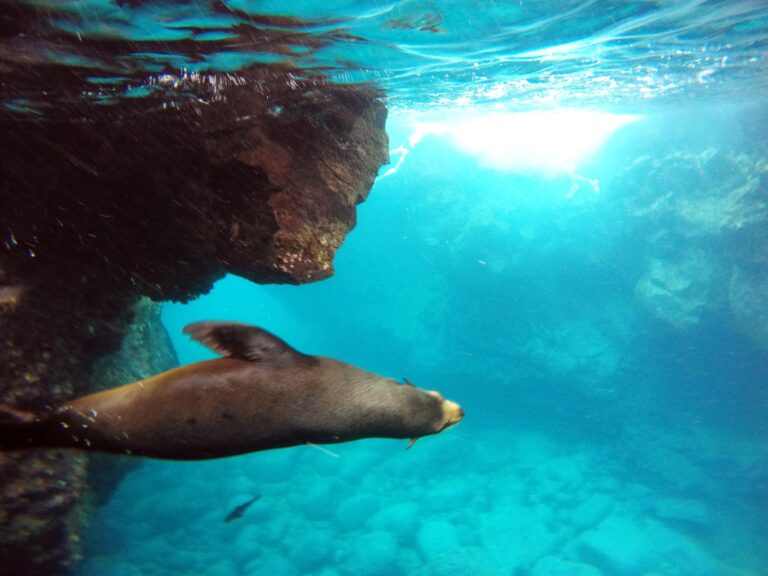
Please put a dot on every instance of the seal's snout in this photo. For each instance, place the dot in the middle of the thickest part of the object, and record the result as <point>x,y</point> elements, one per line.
<point>452,414</point>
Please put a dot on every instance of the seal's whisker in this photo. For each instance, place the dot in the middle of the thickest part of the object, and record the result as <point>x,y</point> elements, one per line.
<point>323,450</point>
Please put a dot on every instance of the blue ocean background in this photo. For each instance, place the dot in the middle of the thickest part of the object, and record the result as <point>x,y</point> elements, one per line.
<point>570,240</point>
<point>594,322</point>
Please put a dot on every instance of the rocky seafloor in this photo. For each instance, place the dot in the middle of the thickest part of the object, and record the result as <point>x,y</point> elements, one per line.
<point>472,503</point>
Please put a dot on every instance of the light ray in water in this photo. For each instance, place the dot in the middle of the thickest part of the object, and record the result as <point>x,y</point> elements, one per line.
<point>546,141</point>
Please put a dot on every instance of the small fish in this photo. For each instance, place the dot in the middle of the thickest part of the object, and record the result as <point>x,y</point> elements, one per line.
<point>238,511</point>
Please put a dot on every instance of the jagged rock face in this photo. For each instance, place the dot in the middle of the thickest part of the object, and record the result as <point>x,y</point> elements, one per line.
<point>678,288</point>
<point>41,512</point>
<point>702,215</point>
<point>258,175</point>
<point>146,350</point>
<point>163,202</point>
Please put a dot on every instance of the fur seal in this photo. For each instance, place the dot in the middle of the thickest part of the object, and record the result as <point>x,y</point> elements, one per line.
<point>262,394</point>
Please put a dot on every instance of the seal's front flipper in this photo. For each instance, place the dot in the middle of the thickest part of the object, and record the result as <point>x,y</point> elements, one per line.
<point>243,341</point>
<point>18,428</point>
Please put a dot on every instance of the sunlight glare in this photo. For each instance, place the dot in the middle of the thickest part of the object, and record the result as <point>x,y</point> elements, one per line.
<point>550,142</point>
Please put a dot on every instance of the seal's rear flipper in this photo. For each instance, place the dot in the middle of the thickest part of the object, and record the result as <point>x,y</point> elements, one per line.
<point>18,428</point>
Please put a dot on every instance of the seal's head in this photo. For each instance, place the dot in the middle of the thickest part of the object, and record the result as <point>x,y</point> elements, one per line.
<point>452,413</point>
<point>435,413</point>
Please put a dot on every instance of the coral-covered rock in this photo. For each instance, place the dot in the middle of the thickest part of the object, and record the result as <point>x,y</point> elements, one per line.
<point>678,290</point>
<point>263,184</point>
<point>701,211</point>
<point>146,349</point>
<point>40,490</point>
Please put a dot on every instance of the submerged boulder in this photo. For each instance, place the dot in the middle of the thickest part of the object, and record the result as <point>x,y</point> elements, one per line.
<point>698,208</point>
<point>163,202</point>
<point>678,290</point>
<point>632,545</point>
<point>748,302</point>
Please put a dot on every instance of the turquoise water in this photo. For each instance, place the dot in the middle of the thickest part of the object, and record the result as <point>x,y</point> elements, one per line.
<point>425,53</point>
<point>592,290</point>
<point>588,322</point>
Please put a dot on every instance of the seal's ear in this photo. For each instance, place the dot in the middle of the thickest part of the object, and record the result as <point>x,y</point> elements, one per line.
<point>242,341</point>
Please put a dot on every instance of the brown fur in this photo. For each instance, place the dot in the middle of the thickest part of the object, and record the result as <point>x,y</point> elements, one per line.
<point>231,406</point>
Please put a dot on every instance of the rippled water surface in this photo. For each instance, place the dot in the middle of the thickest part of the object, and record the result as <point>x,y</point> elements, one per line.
<point>516,54</point>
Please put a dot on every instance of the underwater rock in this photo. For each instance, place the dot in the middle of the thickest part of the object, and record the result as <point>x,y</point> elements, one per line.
<point>514,537</point>
<point>699,192</point>
<point>42,344</point>
<point>269,562</point>
<point>401,519</point>
<point>259,178</point>
<point>555,566</point>
<point>591,511</point>
<point>459,561</point>
<point>748,302</point>
<point>579,352</point>
<point>39,491</point>
<point>309,549</point>
<point>701,210</point>
<point>687,512</point>
<point>256,173</point>
<point>353,512</point>
<point>320,500</point>
<point>437,537</point>
<point>224,567</point>
<point>678,291</point>
<point>635,545</point>
<point>372,553</point>
<point>39,520</point>
<point>618,545</point>
<point>447,495</point>
<point>101,565</point>
<point>145,350</point>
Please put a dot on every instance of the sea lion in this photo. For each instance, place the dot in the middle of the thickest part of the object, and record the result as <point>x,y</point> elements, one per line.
<point>262,394</point>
